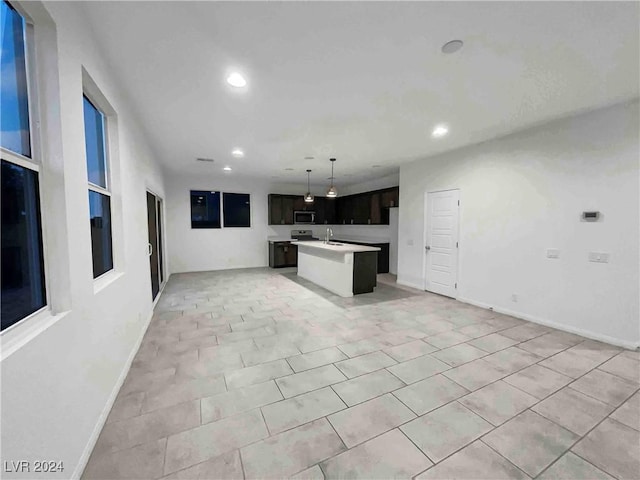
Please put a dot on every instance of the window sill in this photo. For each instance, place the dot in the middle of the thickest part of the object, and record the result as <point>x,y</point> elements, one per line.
<point>26,330</point>
<point>106,279</point>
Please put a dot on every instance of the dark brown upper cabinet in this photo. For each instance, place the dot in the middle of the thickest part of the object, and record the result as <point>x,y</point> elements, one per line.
<point>276,216</point>
<point>390,197</point>
<point>370,208</point>
<point>375,215</point>
<point>362,209</point>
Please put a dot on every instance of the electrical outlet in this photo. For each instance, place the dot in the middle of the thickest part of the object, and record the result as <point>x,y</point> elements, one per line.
<point>553,253</point>
<point>514,297</point>
<point>410,242</point>
<point>599,257</point>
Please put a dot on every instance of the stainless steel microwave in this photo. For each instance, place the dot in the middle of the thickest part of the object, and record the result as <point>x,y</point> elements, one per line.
<point>304,217</point>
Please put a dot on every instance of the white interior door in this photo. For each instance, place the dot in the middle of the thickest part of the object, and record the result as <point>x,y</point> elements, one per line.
<point>441,247</point>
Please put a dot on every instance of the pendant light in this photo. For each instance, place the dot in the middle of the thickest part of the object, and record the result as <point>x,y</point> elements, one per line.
<point>332,192</point>
<point>308,198</point>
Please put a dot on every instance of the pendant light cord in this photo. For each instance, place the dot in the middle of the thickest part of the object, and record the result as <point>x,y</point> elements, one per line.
<point>332,161</point>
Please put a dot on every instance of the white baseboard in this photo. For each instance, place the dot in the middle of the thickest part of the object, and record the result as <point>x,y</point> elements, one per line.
<point>556,325</point>
<point>406,283</point>
<point>84,459</point>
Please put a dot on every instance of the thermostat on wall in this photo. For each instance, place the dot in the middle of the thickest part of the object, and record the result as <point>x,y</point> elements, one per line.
<point>590,216</point>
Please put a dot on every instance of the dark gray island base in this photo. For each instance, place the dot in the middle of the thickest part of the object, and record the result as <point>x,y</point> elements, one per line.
<point>383,254</point>
<point>365,269</point>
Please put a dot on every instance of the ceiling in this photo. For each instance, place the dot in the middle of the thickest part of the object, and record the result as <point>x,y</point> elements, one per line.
<point>363,82</point>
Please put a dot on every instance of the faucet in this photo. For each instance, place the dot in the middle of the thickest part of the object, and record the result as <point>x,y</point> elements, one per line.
<point>328,235</point>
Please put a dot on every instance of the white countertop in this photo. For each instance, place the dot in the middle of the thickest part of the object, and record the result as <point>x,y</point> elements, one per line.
<point>278,239</point>
<point>345,248</point>
<point>352,238</point>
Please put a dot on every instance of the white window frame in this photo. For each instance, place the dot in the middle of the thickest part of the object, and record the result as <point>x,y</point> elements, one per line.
<point>220,206</point>
<point>14,336</point>
<point>107,178</point>
<point>222,225</point>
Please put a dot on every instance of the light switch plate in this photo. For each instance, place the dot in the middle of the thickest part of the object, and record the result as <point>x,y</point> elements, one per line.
<point>599,257</point>
<point>553,253</point>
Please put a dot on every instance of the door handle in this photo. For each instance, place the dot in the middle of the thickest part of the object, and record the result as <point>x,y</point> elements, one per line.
<point>150,249</point>
<point>427,248</point>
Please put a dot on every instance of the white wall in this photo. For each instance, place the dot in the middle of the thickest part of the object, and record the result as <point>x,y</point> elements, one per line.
<point>59,374</point>
<point>193,250</point>
<point>524,193</point>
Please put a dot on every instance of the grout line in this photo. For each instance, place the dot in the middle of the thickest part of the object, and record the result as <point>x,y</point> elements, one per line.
<point>336,432</point>
<point>244,475</point>
<point>582,437</point>
<point>365,308</point>
<point>419,449</point>
<point>265,420</point>
<point>164,458</point>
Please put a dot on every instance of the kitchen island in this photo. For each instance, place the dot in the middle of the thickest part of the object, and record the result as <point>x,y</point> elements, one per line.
<point>343,269</point>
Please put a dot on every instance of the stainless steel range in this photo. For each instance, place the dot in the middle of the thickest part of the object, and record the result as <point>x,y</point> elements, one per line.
<point>303,235</point>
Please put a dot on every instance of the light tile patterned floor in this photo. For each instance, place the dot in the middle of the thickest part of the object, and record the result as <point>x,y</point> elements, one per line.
<point>258,374</point>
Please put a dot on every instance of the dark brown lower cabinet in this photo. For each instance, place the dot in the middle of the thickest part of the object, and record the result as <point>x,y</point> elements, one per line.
<point>283,254</point>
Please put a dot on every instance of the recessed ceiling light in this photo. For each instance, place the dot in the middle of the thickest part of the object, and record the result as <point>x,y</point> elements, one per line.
<point>289,169</point>
<point>236,80</point>
<point>227,169</point>
<point>237,153</point>
<point>452,47</point>
<point>309,158</point>
<point>439,131</point>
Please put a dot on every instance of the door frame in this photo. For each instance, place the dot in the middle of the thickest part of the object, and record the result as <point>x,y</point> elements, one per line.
<point>161,231</point>
<point>425,235</point>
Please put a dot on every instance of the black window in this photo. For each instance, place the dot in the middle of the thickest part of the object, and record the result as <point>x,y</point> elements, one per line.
<point>95,144</point>
<point>99,194</point>
<point>100,221</point>
<point>237,209</point>
<point>22,258</point>
<point>14,118</point>
<point>205,209</point>
<point>23,286</point>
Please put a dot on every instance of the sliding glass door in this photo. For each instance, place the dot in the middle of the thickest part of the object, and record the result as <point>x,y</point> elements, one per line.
<point>154,223</point>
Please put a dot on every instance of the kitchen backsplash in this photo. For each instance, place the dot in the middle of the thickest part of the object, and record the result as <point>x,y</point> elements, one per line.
<point>369,231</point>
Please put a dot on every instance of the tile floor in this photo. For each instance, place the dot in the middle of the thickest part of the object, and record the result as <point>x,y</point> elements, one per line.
<point>258,374</point>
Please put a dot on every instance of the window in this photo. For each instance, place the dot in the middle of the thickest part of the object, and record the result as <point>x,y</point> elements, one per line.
<point>99,194</point>
<point>205,209</point>
<point>237,209</point>
<point>22,276</point>
<point>14,120</point>
<point>23,287</point>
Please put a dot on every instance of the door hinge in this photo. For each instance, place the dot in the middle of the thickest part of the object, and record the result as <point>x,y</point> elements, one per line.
<point>456,244</point>
<point>458,202</point>
<point>455,285</point>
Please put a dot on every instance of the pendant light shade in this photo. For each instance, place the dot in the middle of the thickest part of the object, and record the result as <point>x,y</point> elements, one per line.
<point>308,198</point>
<point>332,192</point>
